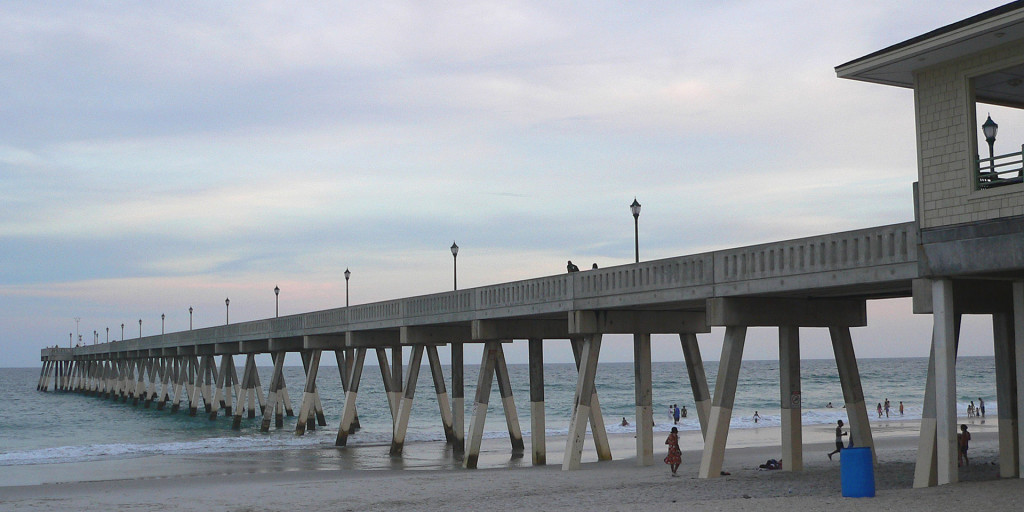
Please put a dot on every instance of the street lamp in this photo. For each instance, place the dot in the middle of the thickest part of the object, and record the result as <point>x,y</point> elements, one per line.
<point>455,265</point>
<point>990,128</point>
<point>635,208</point>
<point>71,339</point>
<point>108,334</point>
<point>190,318</point>
<point>95,337</point>
<point>162,317</point>
<point>140,328</point>
<point>347,275</point>
<point>227,311</point>
<point>277,309</point>
<point>122,331</point>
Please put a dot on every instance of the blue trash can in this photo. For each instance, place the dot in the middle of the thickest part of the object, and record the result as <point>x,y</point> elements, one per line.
<point>857,473</point>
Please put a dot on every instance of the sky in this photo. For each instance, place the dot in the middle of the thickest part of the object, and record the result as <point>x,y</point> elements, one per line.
<point>159,156</point>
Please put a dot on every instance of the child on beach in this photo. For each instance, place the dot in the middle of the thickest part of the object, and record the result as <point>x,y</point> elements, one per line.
<point>839,439</point>
<point>879,409</point>
<point>962,440</point>
<point>675,455</point>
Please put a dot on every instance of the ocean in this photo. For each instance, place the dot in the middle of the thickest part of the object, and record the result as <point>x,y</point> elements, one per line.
<point>59,427</point>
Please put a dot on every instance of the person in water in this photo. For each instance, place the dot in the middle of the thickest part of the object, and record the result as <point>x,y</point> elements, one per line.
<point>675,455</point>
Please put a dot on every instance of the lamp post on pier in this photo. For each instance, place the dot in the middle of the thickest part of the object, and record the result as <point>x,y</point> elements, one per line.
<point>122,331</point>
<point>108,334</point>
<point>95,337</point>
<point>140,328</point>
<point>989,129</point>
<point>635,208</point>
<point>162,317</point>
<point>277,294</point>
<point>190,318</point>
<point>455,266</point>
<point>347,275</point>
<point>227,311</point>
<point>71,339</point>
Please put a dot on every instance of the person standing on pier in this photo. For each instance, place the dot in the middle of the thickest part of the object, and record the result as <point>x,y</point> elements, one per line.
<point>675,455</point>
<point>839,439</point>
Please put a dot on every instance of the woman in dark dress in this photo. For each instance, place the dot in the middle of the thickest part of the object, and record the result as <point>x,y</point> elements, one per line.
<point>675,455</point>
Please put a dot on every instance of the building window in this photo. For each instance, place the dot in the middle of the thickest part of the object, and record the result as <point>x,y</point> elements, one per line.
<point>999,130</point>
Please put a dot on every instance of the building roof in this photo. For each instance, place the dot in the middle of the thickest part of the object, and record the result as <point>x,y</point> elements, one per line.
<point>896,64</point>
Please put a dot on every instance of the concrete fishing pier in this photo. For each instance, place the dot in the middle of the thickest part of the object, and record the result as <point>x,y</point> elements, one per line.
<point>962,254</point>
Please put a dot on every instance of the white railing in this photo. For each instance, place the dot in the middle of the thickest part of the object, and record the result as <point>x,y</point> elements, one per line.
<point>1001,170</point>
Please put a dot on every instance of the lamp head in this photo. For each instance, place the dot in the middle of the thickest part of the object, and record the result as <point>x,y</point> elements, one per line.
<point>455,249</point>
<point>635,208</point>
<point>990,128</point>
<point>277,291</point>
<point>347,274</point>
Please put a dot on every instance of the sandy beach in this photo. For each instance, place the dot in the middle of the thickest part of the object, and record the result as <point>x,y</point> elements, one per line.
<point>426,478</point>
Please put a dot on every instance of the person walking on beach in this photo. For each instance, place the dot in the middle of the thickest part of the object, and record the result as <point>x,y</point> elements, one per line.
<point>970,409</point>
<point>962,439</point>
<point>839,439</point>
<point>886,406</point>
<point>757,417</point>
<point>901,407</point>
<point>879,409</point>
<point>675,413</point>
<point>981,406</point>
<point>675,455</point>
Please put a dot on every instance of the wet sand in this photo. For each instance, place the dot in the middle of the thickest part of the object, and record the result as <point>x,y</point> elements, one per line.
<point>428,478</point>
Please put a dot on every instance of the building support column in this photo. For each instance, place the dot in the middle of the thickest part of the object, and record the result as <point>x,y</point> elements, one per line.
<point>789,387</point>
<point>644,407</point>
<point>721,407</point>
<point>1006,393</point>
<point>1018,349</point>
<point>945,380</point>
<point>538,427</point>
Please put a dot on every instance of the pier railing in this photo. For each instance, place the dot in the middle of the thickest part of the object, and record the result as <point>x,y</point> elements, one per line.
<point>1001,170</point>
<point>847,258</point>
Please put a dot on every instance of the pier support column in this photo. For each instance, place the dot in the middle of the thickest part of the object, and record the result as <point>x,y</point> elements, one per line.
<point>597,428</point>
<point>538,436</point>
<point>789,387</point>
<point>345,359</point>
<point>698,379</point>
<point>945,380</point>
<point>348,414</point>
<point>589,350</point>
<point>483,395</point>
<point>389,383</point>
<point>721,407</point>
<point>1006,393</point>
<point>644,407</point>
<point>196,375</point>
<point>853,393</point>
<point>218,394</point>
<point>458,400</point>
<point>246,393</point>
<point>307,410</point>
<point>405,407</point>
<point>272,410</point>
<point>443,405</point>
<point>179,376</point>
<point>515,433</point>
